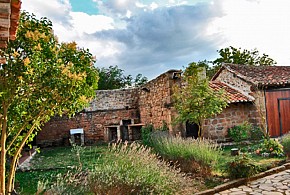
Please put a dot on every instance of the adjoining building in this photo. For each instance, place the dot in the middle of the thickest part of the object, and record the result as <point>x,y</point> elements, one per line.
<point>259,95</point>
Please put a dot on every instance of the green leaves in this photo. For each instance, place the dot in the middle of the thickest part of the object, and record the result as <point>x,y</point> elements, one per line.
<point>195,100</point>
<point>41,78</point>
<point>114,78</point>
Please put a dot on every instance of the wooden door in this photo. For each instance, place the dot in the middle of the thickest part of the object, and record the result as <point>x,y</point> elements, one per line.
<point>284,115</point>
<point>278,111</point>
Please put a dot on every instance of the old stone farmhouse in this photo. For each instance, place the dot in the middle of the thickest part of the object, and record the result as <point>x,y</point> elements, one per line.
<point>259,95</point>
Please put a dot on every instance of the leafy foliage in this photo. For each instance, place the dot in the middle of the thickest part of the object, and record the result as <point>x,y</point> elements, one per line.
<point>240,132</point>
<point>271,147</point>
<point>245,131</point>
<point>146,132</point>
<point>40,78</point>
<point>256,133</point>
<point>195,100</point>
<point>286,143</point>
<point>238,56</point>
<point>241,167</point>
<point>114,78</point>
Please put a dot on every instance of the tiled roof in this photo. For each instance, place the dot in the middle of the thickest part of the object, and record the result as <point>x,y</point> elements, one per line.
<point>231,94</point>
<point>262,75</point>
<point>9,17</point>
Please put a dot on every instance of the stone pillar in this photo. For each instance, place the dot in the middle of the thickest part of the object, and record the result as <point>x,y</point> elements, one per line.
<point>119,133</point>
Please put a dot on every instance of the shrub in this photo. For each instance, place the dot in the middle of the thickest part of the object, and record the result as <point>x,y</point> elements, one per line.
<point>286,143</point>
<point>164,127</point>
<point>241,167</point>
<point>271,147</point>
<point>146,134</point>
<point>240,132</point>
<point>194,155</point>
<point>256,133</point>
<point>135,170</point>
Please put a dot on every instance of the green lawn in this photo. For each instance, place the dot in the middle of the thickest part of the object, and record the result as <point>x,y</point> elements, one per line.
<point>52,161</point>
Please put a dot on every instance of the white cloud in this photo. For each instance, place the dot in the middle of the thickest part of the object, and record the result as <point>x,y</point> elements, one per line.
<point>84,23</point>
<point>153,36</point>
<point>153,6</point>
<point>257,24</point>
<point>55,10</point>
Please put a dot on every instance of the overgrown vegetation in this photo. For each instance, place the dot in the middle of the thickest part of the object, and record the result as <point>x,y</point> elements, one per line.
<point>241,167</point>
<point>59,167</point>
<point>245,131</point>
<point>125,169</point>
<point>197,156</point>
<point>194,100</point>
<point>270,147</point>
<point>286,144</point>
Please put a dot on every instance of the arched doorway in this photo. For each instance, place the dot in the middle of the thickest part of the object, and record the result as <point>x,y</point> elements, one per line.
<point>191,130</point>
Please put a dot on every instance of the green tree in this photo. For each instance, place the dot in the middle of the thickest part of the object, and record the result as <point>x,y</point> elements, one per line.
<point>238,56</point>
<point>41,78</point>
<point>194,100</point>
<point>114,78</point>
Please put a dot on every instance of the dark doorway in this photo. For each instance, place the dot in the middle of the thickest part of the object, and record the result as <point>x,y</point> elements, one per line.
<point>191,130</point>
<point>78,140</point>
<point>113,134</point>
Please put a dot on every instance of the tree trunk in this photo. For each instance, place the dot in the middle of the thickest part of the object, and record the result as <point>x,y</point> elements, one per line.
<point>10,183</point>
<point>3,149</point>
<point>199,130</point>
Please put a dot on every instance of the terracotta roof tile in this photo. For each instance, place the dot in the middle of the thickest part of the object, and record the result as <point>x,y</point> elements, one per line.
<point>262,75</point>
<point>232,94</point>
<point>9,17</point>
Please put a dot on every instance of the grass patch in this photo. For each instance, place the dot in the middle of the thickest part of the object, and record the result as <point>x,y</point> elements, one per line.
<point>50,162</point>
<point>198,156</point>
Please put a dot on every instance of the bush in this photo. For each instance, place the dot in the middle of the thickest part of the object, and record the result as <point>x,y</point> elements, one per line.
<point>271,147</point>
<point>240,132</point>
<point>146,134</point>
<point>193,155</point>
<point>241,167</point>
<point>286,143</point>
<point>256,133</point>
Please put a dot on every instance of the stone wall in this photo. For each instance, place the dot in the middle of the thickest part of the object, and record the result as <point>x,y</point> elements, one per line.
<point>234,81</point>
<point>235,114</point>
<point>114,100</point>
<point>155,103</point>
<point>57,130</point>
<point>109,108</point>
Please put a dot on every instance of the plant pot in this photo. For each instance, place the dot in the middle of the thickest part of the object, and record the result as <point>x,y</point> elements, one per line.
<point>235,151</point>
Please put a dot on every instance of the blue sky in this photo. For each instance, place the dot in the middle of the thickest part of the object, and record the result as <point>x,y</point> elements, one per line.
<point>86,6</point>
<point>151,37</point>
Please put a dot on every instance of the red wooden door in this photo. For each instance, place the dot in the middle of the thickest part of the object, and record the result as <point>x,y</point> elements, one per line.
<point>278,111</point>
<point>284,115</point>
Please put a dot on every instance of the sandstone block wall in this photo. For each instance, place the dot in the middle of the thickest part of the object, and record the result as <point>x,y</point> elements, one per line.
<point>235,82</point>
<point>235,114</point>
<point>114,100</point>
<point>109,108</point>
<point>57,130</point>
<point>155,101</point>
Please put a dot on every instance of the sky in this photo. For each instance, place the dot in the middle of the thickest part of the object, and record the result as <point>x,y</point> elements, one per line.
<point>151,37</point>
